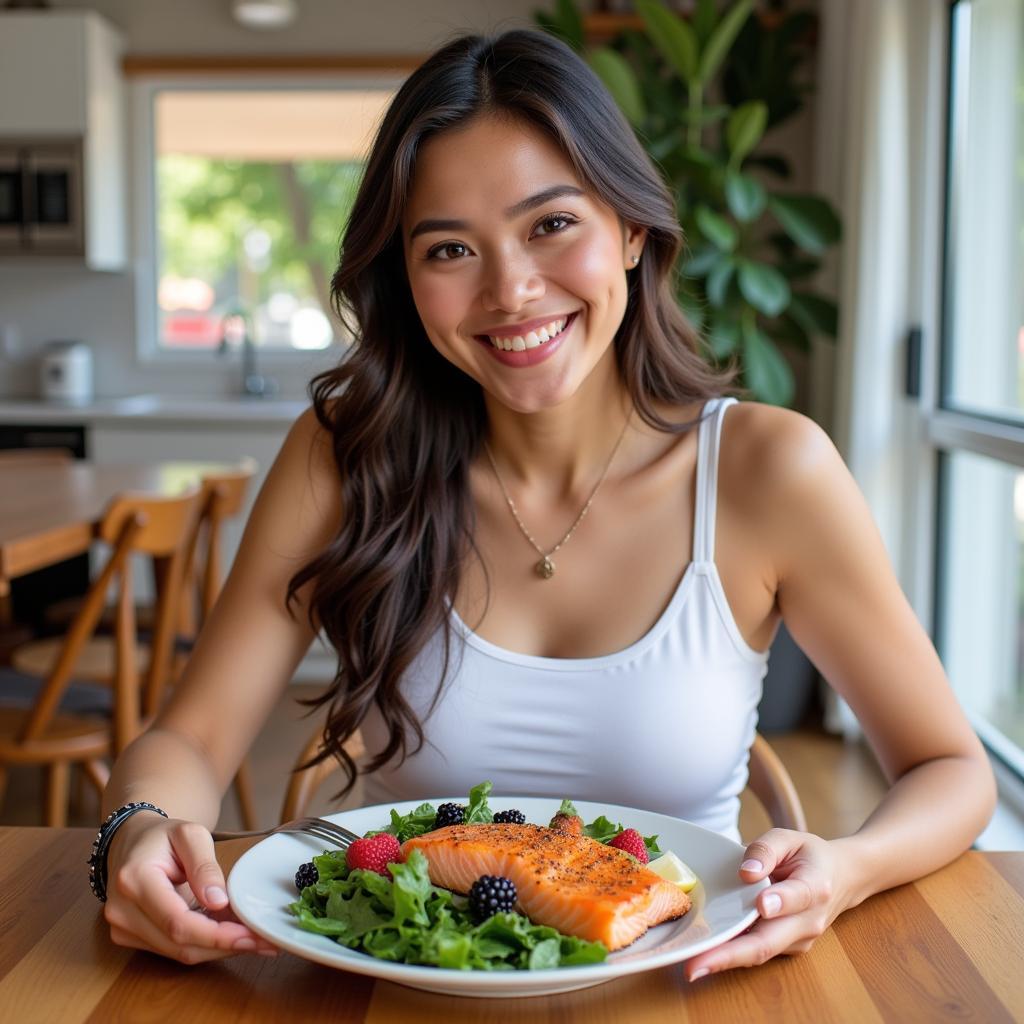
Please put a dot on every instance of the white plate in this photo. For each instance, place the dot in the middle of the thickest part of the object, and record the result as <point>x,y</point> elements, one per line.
<point>261,885</point>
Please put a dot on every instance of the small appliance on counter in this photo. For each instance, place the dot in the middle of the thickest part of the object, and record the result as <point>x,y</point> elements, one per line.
<point>65,372</point>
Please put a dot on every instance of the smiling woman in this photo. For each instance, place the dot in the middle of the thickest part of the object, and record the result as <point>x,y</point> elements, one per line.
<point>523,382</point>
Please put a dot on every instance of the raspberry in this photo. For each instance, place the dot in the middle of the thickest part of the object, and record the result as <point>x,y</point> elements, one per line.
<point>489,894</point>
<point>632,842</point>
<point>510,818</point>
<point>449,814</point>
<point>306,875</point>
<point>374,854</point>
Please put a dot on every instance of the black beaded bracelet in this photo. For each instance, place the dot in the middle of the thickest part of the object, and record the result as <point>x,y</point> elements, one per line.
<point>101,844</point>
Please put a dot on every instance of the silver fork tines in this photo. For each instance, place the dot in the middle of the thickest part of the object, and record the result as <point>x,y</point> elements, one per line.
<point>319,827</point>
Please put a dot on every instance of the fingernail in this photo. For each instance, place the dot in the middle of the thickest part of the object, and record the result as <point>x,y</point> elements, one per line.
<point>772,904</point>
<point>245,944</point>
<point>215,894</point>
<point>699,973</point>
<point>751,865</point>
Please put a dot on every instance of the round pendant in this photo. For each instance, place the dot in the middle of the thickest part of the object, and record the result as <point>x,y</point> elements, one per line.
<point>545,568</point>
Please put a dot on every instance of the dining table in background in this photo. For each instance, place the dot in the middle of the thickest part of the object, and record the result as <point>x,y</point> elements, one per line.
<point>945,948</point>
<point>49,512</point>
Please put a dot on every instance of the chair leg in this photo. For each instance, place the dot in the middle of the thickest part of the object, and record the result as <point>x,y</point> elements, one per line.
<point>97,772</point>
<point>243,794</point>
<point>58,775</point>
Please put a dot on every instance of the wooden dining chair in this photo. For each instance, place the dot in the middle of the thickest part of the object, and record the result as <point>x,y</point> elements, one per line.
<point>303,785</point>
<point>222,495</point>
<point>54,720</point>
<point>773,787</point>
<point>769,781</point>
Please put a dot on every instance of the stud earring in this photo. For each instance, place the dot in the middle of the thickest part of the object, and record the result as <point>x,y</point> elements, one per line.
<point>636,260</point>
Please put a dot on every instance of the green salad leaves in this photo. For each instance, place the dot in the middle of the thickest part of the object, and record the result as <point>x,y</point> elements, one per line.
<point>412,921</point>
<point>409,920</point>
<point>421,819</point>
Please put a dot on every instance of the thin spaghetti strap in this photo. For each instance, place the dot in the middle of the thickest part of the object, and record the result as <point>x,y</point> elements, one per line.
<point>706,499</point>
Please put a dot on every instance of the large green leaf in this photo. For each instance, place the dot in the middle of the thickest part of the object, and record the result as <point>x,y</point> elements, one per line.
<point>763,287</point>
<point>815,314</point>
<point>746,197</point>
<point>766,371</point>
<point>717,283</point>
<point>569,24</point>
<point>722,38</point>
<point>701,261</point>
<point>704,19</point>
<point>724,336</point>
<point>673,37</point>
<point>620,81</point>
<point>809,220</point>
<point>744,129</point>
<point>716,229</point>
<point>705,115</point>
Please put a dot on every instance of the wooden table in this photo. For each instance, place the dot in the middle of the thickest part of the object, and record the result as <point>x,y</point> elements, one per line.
<point>947,948</point>
<point>50,512</point>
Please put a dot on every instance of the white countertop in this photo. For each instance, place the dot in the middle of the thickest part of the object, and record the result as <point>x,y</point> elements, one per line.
<point>174,408</point>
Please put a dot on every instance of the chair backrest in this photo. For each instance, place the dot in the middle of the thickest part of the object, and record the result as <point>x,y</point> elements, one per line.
<point>224,495</point>
<point>769,782</point>
<point>132,523</point>
<point>34,456</point>
<point>302,785</point>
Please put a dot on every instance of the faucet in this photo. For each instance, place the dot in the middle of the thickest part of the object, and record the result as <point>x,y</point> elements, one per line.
<point>236,325</point>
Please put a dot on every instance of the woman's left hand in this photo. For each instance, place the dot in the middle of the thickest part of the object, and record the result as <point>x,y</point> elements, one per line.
<point>809,891</point>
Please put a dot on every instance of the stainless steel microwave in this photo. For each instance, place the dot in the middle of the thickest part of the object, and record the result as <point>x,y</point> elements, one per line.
<point>41,197</point>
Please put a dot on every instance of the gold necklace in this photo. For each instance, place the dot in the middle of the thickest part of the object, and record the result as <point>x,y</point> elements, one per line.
<point>545,568</point>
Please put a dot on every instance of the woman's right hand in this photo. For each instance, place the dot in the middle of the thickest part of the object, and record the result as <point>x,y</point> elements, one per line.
<point>166,893</point>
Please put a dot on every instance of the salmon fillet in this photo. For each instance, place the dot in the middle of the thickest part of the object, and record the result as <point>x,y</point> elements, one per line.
<point>573,883</point>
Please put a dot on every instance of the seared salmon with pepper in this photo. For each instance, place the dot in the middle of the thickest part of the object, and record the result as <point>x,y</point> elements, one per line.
<point>573,883</point>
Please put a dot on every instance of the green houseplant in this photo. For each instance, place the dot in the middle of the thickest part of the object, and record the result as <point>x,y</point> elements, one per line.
<point>702,94</point>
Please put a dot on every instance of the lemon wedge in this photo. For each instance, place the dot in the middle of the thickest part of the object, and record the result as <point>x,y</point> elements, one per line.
<point>672,869</point>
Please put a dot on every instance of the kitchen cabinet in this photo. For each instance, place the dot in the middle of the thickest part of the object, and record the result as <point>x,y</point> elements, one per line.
<point>60,80</point>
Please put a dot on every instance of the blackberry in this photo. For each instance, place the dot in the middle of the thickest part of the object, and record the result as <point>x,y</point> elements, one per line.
<point>510,818</point>
<point>449,814</point>
<point>491,894</point>
<point>306,875</point>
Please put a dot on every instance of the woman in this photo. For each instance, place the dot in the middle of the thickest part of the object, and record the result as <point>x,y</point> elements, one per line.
<point>525,483</point>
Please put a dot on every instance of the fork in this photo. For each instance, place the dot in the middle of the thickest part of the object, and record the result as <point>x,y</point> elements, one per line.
<point>319,827</point>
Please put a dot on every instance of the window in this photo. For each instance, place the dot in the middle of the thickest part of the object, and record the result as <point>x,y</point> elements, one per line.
<point>251,188</point>
<point>978,427</point>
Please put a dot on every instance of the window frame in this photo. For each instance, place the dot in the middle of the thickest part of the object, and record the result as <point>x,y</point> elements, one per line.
<point>950,429</point>
<point>143,90</point>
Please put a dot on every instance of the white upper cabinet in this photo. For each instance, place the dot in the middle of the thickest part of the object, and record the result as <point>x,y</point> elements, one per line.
<point>60,78</point>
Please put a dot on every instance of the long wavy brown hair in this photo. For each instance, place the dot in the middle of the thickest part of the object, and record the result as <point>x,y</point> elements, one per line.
<point>407,424</point>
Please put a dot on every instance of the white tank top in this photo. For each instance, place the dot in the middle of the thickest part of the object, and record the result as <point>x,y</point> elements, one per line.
<point>665,724</point>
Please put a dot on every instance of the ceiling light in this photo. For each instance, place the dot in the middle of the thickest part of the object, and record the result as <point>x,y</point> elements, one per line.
<point>264,13</point>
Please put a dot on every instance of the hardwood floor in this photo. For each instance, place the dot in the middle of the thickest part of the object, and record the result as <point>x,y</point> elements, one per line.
<point>839,782</point>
